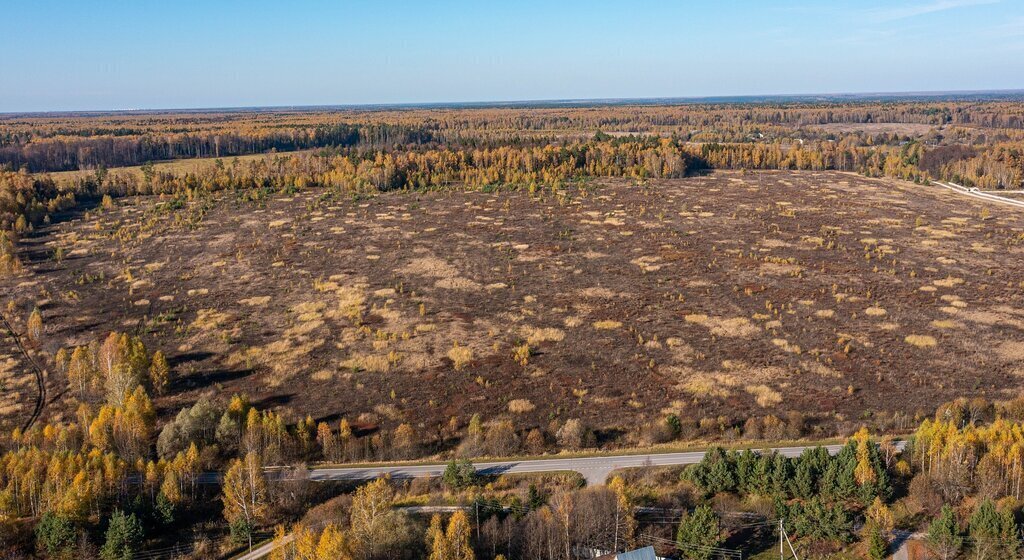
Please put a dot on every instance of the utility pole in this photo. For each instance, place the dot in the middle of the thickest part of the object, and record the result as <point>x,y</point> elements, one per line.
<point>784,539</point>
<point>616,548</point>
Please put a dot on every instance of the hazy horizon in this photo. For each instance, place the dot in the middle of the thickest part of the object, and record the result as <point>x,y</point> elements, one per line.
<point>812,97</point>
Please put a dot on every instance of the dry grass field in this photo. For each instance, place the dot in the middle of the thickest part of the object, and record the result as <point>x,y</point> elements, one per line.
<point>729,294</point>
<point>178,167</point>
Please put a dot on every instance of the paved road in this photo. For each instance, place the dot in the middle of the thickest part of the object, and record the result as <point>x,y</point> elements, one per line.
<point>594,469</point>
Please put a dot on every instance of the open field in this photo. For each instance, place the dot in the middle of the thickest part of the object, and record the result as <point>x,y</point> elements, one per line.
<point>729,294</point>
<point>178,167</point>
<point>907,129</point>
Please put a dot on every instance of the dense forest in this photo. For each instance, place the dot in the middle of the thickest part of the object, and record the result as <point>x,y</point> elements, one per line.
<point>981,141</point>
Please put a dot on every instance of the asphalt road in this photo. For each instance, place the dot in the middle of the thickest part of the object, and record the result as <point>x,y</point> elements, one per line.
<point>594,469</point>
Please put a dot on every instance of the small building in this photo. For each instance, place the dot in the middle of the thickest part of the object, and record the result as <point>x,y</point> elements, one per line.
<point>646,553</point>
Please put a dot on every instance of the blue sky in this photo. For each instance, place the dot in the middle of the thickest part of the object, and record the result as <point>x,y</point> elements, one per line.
<point>105,54</point>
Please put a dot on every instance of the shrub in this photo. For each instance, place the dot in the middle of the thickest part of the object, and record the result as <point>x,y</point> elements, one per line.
<point>574,435</point>
<point>460,356</point>
<point>520,406</point>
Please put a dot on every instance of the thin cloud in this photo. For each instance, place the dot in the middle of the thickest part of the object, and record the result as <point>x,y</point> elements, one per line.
<point>893,14</point>
<point>1012,28</point>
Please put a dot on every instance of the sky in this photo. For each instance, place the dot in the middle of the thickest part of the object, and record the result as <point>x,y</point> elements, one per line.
<point>159,54</point>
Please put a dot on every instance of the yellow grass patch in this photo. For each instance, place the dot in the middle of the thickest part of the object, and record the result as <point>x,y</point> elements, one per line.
<point>647,263</point>
<point>460,356</point>
<point>735,327</point>
<point>322,375</point>
<point>1011,351</point>
<point>607,325</point>
<point>698,318</point>
<point>708,385</point>
<point>764,395</point>
<point>786,346</point>
<point>875,312</point>
<point>948,282</point>
<point>258,301</point>
<point>921,340</point>
<point>210,319</point>
<point>368,362</point>
<point>520,406</point>
<point>535,336</point>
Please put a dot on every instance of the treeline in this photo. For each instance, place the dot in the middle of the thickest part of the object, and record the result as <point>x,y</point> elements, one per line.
<point>70,143</point>
<point>73,153</point>
<point>959,478</point>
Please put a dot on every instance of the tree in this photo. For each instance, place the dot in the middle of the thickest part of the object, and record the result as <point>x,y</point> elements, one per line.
<point>944,535</point>
<point>993,534</point>
<point>34,326</point>
<point>1009,535</point>
<point>404,441</point>
<point>123,537</point>
<point>450,544</point>
<point>878,545</point>
<point>81,372</point>
<point>245,494</point>
<point>674,425</point>
<point>437,543</point>
<point>698,533</point>
<point>372,518</point>
<point>332,544</point>
<point>501,439</point>
<point>159,373</point>
<point>459,474</point>
<point>625,521</point>
<point>56,535</point>
<point>714,473</point>
<point>457,535</point>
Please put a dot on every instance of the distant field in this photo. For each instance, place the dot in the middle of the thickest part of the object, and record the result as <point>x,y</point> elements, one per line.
<point>729,294</point>
<point>178,166</point>
<point>910,129</point>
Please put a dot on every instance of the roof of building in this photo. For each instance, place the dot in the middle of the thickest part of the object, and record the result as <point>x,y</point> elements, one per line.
<point>640,554</point>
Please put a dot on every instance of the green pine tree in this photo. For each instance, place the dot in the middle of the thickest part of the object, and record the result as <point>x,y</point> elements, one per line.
<point>944,535</point>
<point>698,531</point>
<point>124,535</point>
<point>878,545</point>
<point>56,535</point>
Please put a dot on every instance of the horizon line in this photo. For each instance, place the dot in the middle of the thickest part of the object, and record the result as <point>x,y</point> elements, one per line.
<point>526,103</point>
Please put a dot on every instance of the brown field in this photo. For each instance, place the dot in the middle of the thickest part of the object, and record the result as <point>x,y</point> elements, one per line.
<point>728,294</point>
<point>908,129</point>
<point>177,167</point>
